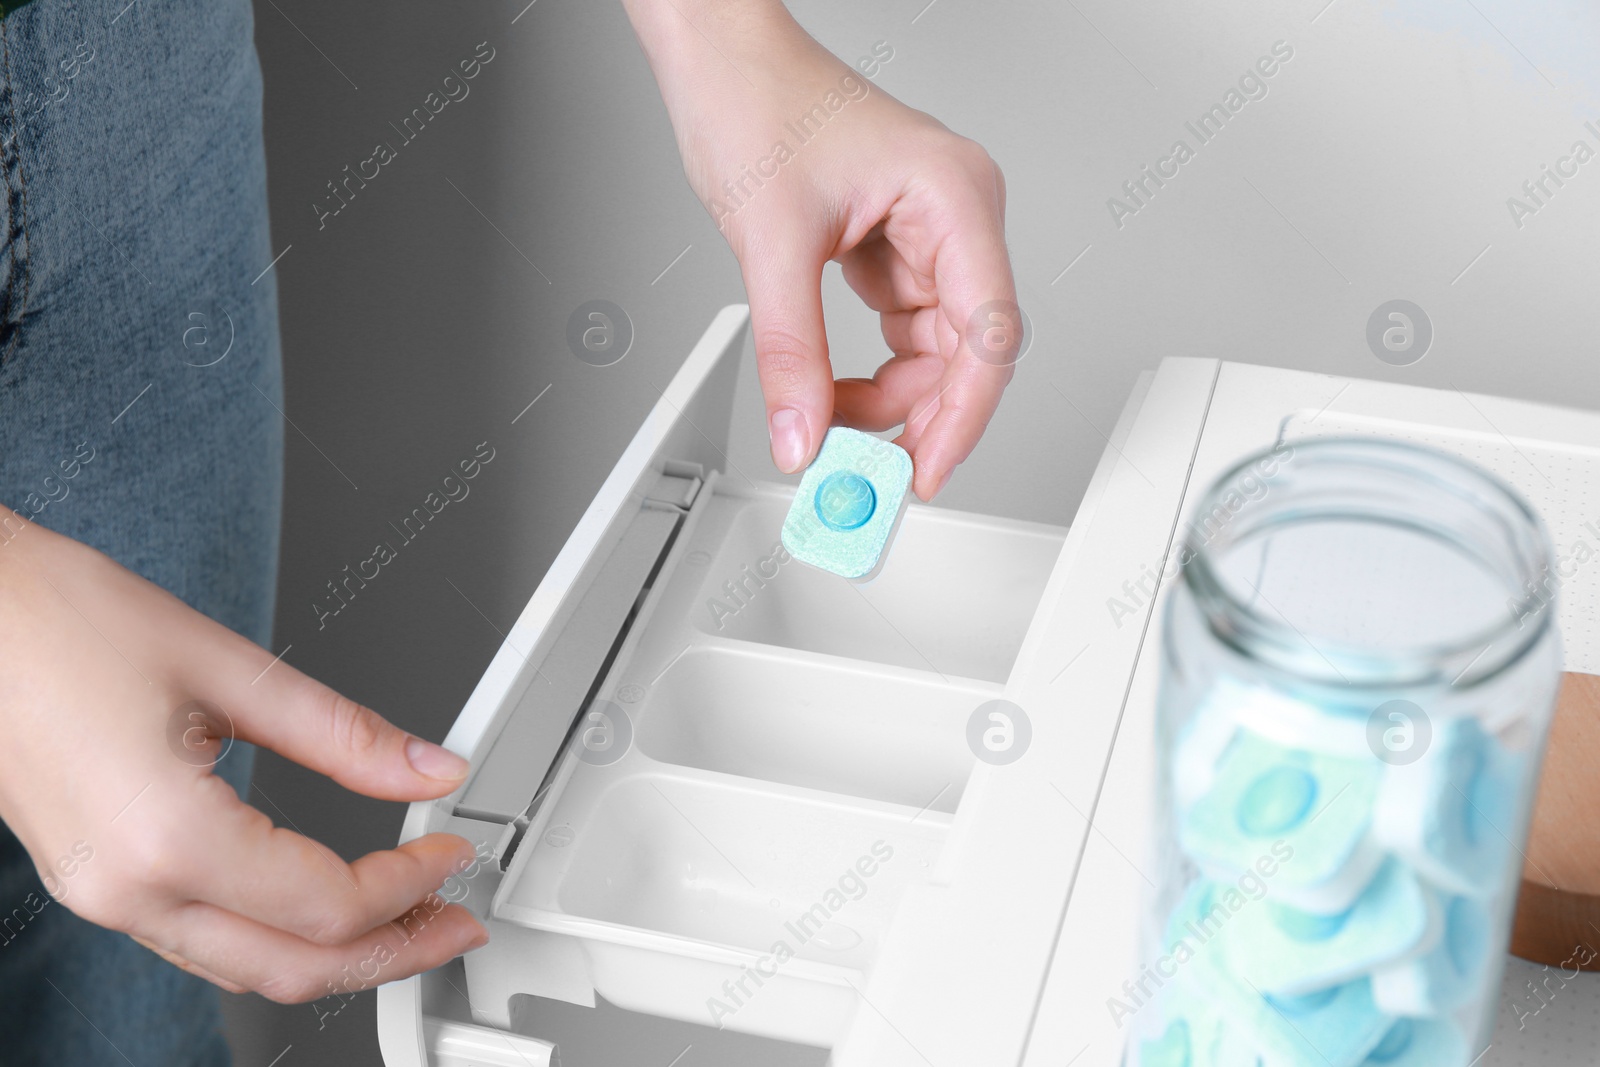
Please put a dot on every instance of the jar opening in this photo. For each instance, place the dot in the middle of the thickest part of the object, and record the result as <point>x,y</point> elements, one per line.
<point>1368,562</point>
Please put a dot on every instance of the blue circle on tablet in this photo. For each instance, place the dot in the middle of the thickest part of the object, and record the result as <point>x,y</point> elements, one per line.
<point>845,501</point>
<point>1276,801</point>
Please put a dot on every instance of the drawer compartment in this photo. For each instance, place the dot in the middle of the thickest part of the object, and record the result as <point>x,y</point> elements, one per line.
<point>855,729</point>
<point>731,903</point>
<point>724,862</point>
<point>955,595</point>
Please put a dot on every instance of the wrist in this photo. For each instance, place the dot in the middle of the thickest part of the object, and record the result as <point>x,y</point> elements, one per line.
<point>714,24</point>
<point>718,47</point>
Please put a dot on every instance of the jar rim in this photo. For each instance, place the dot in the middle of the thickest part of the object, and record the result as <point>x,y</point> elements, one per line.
<point>1463,661</point>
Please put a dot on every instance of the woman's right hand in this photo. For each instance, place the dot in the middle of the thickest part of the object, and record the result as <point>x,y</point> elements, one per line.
<point>105,777</point>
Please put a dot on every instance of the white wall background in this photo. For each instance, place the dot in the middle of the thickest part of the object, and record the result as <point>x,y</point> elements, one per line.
<point>426,315</point>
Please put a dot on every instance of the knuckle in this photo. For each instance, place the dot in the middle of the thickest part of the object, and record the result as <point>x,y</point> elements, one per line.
<point>973,156</point>
<point>989,170</point>
<point>953,409</point>
<point>784,364</point>
<point>962,163</point>
<point>153,855</point>
<point>1003,374</point>
<point>354,727</point>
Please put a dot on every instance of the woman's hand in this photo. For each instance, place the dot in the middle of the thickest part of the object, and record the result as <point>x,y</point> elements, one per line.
<point>106,748</point>
<point>801,160</point>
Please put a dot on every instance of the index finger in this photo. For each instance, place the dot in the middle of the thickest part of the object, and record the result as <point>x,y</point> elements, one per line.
<point>978,296</point>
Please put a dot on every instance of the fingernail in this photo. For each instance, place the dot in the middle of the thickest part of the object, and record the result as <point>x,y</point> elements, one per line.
<point>477,942</point>
<point>944,480</point>
<point>431,761</point>
<point>789,443</point>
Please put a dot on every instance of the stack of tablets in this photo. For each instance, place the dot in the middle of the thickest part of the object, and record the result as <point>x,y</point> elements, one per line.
<point>1346,908</point>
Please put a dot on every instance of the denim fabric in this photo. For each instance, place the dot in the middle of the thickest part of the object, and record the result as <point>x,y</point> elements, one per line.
<point>140,397</point>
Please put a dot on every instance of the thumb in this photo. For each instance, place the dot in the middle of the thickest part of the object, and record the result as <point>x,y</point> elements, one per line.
<point>305,721</point>
<point>783,278</point>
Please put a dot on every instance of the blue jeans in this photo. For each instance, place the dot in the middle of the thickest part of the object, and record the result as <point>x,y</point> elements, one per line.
<point>140,397</point>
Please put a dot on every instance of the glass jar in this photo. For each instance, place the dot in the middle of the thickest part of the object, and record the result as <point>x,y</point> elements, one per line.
<point>1360,665</point>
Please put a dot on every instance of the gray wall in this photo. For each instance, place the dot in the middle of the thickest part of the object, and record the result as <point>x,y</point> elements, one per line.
<point>426,315</point>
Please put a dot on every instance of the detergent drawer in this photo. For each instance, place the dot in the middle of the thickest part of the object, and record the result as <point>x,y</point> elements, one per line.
<point>705,776</point>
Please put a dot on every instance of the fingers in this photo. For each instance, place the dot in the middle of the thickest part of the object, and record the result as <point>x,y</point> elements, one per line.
<point>193,840</point>
<point>265,701</point>
<point>190,966</point>
<point>923,331</point>
<point>973,276</point>
<point>248,955</point>
<point>949,422</point>
<point>941,280</point>
<point>883,279</point>
<point>305,721</point>
<point>284,880</point>
<point>783,277</point>
<point>886,399</point>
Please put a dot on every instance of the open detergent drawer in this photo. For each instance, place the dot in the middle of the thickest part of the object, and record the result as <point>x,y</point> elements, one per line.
<point>705,776</point>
